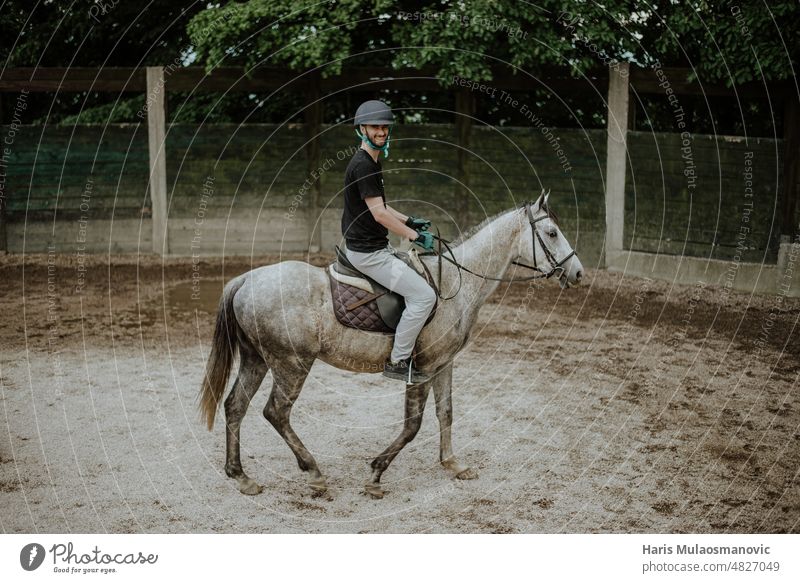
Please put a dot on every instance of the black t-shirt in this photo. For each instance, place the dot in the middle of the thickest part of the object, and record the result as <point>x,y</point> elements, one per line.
<point>362,179</point>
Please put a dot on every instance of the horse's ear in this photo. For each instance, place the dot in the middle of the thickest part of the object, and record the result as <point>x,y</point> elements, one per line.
<point>540,201</point>
<point>546,196</point>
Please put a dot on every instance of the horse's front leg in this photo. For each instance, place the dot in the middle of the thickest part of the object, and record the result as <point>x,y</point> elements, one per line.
<point>416,395</point>
<point>442,392</point>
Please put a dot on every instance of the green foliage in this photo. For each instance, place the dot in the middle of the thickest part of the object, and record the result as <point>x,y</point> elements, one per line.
<point>267,32</point>
<point>81,34</point>
<point>725,41</point>
<point>722,41</point>
<point>118,112</point>
<point>468,39</point>
<point>729,41</point>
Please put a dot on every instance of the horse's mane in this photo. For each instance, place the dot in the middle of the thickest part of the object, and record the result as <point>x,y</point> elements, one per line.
<point>468,233</point>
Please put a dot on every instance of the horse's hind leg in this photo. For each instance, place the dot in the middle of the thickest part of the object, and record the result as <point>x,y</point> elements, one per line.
<point>442,393</point>
<point>289,377</point>
<point>416,395</point>
<point>251,372</point>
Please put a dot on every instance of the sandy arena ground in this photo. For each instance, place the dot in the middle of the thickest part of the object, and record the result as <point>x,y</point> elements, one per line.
<point>625,405</point>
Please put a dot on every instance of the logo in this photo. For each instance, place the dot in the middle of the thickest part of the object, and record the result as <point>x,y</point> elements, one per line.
<point>31,556</point>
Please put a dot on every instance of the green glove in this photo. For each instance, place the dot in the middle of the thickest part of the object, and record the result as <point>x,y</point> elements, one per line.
<point>424,240</point>
<point>418,224</point>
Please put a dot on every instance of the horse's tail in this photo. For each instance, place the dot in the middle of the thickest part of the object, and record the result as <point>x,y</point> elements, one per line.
<point>223,351</point>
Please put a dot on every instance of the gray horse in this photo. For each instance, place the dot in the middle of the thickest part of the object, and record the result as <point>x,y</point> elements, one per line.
<point>280,317</point>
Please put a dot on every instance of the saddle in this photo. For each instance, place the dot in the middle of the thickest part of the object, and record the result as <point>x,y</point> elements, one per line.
<point>361,302</point>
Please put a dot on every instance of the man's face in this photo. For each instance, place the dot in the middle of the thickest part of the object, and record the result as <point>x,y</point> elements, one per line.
<point>376,134</point>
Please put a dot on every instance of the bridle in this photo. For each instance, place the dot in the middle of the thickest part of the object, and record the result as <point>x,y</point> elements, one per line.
<point>556,266</point>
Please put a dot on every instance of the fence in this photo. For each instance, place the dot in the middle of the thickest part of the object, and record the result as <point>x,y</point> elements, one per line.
<point>666,205</point>
<point>236,189</point>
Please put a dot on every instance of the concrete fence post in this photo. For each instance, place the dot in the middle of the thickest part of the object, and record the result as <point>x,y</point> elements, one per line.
<point>156,134</point>
<point>616,159</point>
<point>313,123</point>
<point>465,109</point>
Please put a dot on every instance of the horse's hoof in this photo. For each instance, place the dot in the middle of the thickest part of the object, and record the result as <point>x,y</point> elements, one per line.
<point>318,486</point>
<point>374,491</point>
<point>468,474</point>
<point>460,472</point>
<point>250,487</point>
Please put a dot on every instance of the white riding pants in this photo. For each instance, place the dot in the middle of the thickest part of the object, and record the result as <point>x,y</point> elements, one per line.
<point>393,273</point>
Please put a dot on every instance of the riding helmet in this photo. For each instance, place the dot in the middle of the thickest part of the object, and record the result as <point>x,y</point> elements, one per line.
<point>373,112</point>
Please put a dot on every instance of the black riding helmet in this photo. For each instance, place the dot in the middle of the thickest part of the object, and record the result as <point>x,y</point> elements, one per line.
<point>375,113</point>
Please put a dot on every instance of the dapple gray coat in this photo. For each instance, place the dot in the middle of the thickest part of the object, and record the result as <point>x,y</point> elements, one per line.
<point>280,318</point>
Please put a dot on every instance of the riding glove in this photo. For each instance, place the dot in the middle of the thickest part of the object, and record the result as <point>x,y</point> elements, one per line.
<point>418,224</point>
<point>424,240</point>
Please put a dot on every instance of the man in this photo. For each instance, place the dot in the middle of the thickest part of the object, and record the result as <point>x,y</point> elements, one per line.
<point>366,222</point>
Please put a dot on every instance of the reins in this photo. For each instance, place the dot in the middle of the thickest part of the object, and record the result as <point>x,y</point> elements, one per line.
<point>556,266</point>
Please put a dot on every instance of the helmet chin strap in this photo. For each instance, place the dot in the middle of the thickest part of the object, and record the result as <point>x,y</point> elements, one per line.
<point>384,148</point>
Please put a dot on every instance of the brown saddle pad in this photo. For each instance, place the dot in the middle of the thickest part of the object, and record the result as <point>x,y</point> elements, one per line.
<point>357,308</point>
<point>372,312</point>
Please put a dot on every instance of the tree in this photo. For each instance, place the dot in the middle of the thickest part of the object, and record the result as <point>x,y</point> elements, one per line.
<point>719,41</point>
<point>469,38</point>
<point>91,34</point>
<point>86,34</point>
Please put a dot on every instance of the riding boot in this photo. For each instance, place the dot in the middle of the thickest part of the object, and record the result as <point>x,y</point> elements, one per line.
<point>404,370</point>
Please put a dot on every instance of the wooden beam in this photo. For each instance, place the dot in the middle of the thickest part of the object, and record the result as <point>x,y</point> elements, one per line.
<point>156,140</point>
<point>650,81</point>
<point>616,159</point>
<point>237,79</point>
<point>66,79</point>
<point>119,79</point>
<point>427,79</point>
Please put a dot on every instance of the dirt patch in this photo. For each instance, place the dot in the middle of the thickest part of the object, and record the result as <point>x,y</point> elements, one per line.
<point>625,405</point>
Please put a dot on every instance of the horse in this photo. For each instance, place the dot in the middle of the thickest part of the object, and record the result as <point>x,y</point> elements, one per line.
<point>280,317</point>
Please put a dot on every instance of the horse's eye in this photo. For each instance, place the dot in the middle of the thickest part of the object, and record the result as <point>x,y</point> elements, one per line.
<point>553,234</point>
